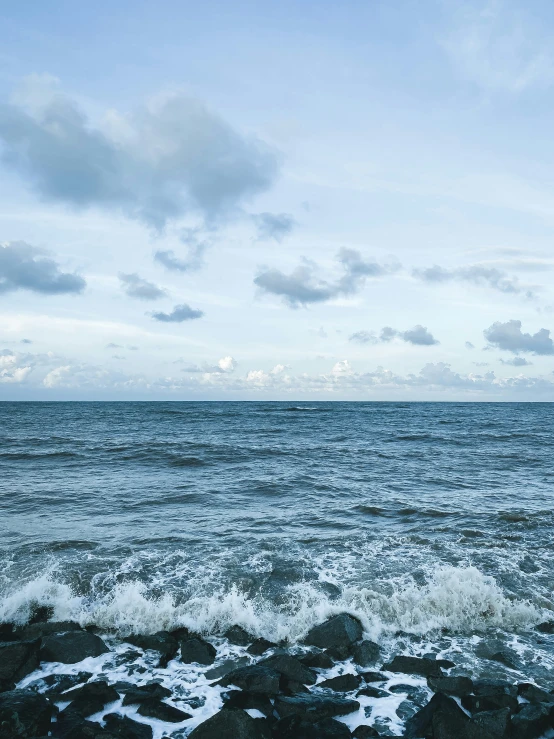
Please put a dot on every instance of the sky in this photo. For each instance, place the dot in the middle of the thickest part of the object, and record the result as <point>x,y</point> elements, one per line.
<point>277,200</point>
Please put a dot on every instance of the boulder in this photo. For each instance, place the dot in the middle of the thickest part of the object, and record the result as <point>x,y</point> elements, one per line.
<point>342,683</point>
<point>494,687</point>
<point>242,699</point>
<point>259,646</point>
<point>374,677</point>
<point>497,651</point>
<point>40,630</point>
<point>441,718</point>
<point>254,679</point>
<point>478,703</point>
<point>370,692</point>
<point>414,666</point>
<point>154,708</point>
<point>366,653</point>
<point>451,685</point>
<point>294,727</point>
<point>214,673</point>
<point>198,650</point>
<point>291,668</point>
<point>17,659</point>
<point>143,692</point>
<point>24,713</point>
<point>162,642</point>
<point>534,694</point>
<point>546,627</point>
<point>90,698</point>
<point>238,636</point>
<point>490,725</point>
<point>339,631</point>
<point>320,660</point>
<point>71,647</point>
<point>74,726</point>
<point>53,685</point>
<point>232,722</point>
<point>364,732</point>
<point>125,728</point>
<point>532,721</point>
<point>314,707</point>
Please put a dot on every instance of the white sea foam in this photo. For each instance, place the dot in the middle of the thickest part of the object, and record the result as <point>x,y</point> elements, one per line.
<point>461,599</point>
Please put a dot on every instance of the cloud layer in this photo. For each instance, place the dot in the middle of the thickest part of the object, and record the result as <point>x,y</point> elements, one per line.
<point>24,267</point>
<point>475,274</point>
<point>418,335</point>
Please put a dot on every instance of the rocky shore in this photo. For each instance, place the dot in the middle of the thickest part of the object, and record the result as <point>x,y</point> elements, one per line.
<point>60,680</point>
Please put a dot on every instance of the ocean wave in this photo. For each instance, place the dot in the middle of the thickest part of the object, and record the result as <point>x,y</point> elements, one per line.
<point>460,599</point>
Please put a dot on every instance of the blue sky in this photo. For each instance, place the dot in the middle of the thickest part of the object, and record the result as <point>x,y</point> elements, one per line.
<point>277,200</point>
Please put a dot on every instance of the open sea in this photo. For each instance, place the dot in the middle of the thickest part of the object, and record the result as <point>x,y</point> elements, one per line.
<point>431,522</point>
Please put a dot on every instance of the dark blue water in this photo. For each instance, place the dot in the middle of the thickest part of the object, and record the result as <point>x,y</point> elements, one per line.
<point>416,516</point>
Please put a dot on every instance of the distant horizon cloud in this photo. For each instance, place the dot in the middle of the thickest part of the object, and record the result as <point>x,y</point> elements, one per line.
<point>25,267</point>
<point>476,274</point>
<point>418,335</point>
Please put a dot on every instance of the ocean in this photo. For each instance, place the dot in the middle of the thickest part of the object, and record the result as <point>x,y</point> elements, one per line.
<point>430,522</point>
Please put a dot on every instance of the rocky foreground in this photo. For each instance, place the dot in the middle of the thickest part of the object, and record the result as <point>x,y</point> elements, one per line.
<point>268,693</point>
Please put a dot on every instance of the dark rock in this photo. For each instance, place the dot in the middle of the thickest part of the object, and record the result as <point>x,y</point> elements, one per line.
<point>90,698</point>
<point>181,633</point>
<point>126,728</point>
<point>17,659</point>
<point>547,627</point>
<point>259,646</point>
<point>532,721</point>
<point>414,666</point>
<point>198,650</point>
<point>238,636</point>
<point>342,683</point>
<point>406,710</point>
<point>71,725</point>
<point>441,718</point>
<point>292,687</point>
<point>56,684</point>
<point>225,668</point>
<point>294,727</point>
<point>40,614</point>
<point>144,692</point>
<point>254,679</point>
<point>7,633</point>
<point>478,703</point>
<point>40,630</point>
<point>71,647</point>
<point>366,653</point>
<point>364,732</point>
<point>24,713</point>
<point>242,699</point>
<point>231,722</point>
<point>446,664</point>
<point>534,694</point>
<point>162,642</point>
<point>490,687</point>
<point>339,654</point>
<point>319,660</point>
<point>400,688</point>
<point>497,651</point>
<point>451,685</point>
<point>371,692</point>
<point>374,677</point>
<point>490,725</point>
<point>154,708</point>
<point>291,668</point>
<point>339,631</point>
<point>314,708</point>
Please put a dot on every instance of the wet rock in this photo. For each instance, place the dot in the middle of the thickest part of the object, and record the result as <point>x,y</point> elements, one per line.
<point>374,677</point>
<point>41,630</point>
<point>366,653</point>
<point>90,698</point>
<point>371,692</point>
<point>125,728</point>
<point>54,685</point>
<point>291,668</point>
<point>242,699</point>
<point>138,694</point>
<point>154,708</point>
<point>314,708</point>
<point>71,647</point>
<point>532,721</point>
<point>534,694</point>
<point>446,664</point>
<point>162,641</point>
<point>232,722</point>
<point>478,703</point>
<point>7,633</point>
<point>320,660</point>
<point>364,732</point>
<point>41,613</point>
<point>225,668</point>
<point>17,659</point>
<point>292,687</point>
<point>24,713</point>
<point>497,651</point>
<point>342,683</point>
<point>339,631</point>
<point>294,727</point>
<point>414,666</point>
<point>339,654</point>
<point>259,646</point>
<point>490,687</point>
<point>451,685</point>
<point>546,627</point>
<point>406,710</point>
<point>490,725</point>
<point>238,636</point>
<point>71,725</point>
<point>254,679</point>
<point>441,718</point>
<point>198,650</point>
